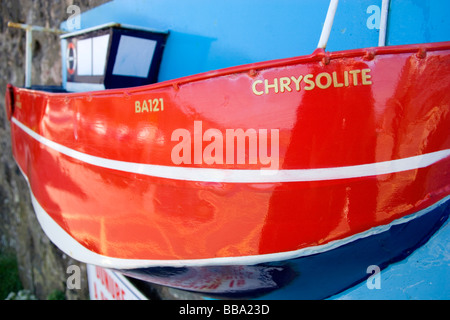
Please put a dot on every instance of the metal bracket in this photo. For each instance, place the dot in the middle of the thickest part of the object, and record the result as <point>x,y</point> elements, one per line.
<point>29,45</point>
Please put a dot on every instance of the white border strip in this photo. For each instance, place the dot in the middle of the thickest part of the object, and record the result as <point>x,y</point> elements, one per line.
<point>383,23</point>
<point>242,175</point>
<point>82,87</point>
<point>326,29</point>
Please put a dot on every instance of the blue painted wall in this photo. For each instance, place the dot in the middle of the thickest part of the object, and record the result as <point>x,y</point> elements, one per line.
<point>211,34</point>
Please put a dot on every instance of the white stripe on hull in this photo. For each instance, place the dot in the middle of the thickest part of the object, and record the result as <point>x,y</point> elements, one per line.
<point>242,175</point>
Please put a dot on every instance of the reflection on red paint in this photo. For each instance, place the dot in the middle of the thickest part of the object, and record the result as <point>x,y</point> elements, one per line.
<point>350,111</point>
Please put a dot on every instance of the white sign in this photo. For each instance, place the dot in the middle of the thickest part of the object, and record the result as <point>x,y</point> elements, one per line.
<point>106,284</point>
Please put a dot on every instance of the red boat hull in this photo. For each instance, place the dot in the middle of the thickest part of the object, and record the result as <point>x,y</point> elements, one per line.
<point>147,176</point>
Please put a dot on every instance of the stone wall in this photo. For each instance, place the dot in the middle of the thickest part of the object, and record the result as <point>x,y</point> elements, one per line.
<point>42,266</point>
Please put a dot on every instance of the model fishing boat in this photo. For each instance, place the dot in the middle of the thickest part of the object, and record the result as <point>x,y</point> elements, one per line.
<point>292,174</point>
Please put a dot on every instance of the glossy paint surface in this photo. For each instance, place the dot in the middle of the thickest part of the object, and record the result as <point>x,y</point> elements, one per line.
<point>368,106</point>
<point>316,276</point>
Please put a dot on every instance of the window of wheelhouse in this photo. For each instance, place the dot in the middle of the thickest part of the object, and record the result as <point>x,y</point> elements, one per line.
<point>112,56</point>
<point>92,53</point>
